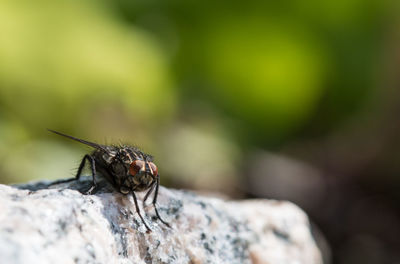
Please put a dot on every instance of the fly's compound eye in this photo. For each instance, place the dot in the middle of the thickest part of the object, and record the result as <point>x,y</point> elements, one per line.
<point>153,168</point>
<point>136,166</point>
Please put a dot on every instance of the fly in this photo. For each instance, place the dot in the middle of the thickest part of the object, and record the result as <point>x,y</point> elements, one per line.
<point>127,168</point>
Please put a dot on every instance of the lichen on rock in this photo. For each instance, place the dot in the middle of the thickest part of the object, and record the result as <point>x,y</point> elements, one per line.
<point>40,223</point>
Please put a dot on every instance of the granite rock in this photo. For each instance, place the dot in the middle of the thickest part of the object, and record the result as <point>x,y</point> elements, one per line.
<point>43,223</point>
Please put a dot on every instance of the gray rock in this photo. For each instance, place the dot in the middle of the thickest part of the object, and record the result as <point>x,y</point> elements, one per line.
<point>43,224</point>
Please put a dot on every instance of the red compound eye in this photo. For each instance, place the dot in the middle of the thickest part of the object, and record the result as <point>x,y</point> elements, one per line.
<point>153,168</point>
<point>136,166</point>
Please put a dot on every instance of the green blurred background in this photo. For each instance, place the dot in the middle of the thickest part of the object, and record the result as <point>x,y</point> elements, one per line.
<point>294,100</point>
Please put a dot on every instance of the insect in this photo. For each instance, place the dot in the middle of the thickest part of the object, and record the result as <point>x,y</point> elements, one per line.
<point>127,168</point>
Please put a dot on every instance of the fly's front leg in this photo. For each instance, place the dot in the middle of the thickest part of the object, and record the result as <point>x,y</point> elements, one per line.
<point>138,212</point>
<point>148,194</point>
<point>155,201</point>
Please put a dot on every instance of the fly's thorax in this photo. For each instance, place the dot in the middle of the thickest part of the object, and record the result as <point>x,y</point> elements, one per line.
<point>105,157</point>
<point>114,159</point>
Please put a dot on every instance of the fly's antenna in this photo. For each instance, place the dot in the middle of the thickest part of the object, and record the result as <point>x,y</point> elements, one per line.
<point>91,144</point>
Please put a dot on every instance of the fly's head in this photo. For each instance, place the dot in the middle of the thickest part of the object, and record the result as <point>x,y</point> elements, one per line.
<point>132,169</point>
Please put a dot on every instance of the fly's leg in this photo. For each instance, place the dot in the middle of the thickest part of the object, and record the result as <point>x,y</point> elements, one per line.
<point>93,167</point>
<point>148,194</point>
<point>155,201</point>
<point>79,172</point>
<point>138,212</point>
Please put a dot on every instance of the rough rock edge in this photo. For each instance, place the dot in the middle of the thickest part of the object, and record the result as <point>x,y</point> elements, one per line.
<point>40,223</point>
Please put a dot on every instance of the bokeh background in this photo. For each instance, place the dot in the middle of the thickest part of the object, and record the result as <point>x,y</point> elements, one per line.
<point>295,100</point>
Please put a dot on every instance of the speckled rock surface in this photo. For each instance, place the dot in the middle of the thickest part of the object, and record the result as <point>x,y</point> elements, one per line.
<point>43,225</point>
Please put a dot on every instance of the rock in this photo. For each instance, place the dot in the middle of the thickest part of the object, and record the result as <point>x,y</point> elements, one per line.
<point>43,224</point>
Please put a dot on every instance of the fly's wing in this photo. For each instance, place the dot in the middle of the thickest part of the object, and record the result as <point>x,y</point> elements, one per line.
<point>91,144</point>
